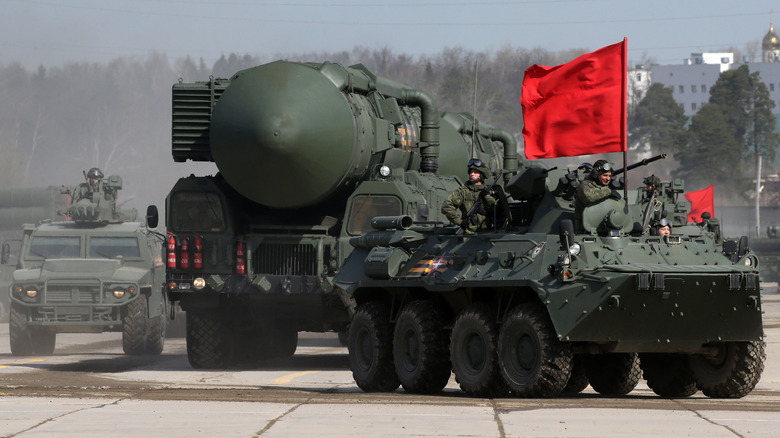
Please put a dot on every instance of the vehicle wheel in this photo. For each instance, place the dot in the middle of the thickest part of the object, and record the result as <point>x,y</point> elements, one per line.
<point>371,349</point>
<point>135,326</point>
<point>534,363</point>
<point>27,341</point>
<point>474,352</point>
<point>733,372</point>
<point>668,375</point>
<point>3,311</point>
<point>421,348</point>
<point>208,343</point>
<point>279,341</point>
<point>344,338</point>
<point>578,380</point>
<point>613,373</point>
<point>155,335</point>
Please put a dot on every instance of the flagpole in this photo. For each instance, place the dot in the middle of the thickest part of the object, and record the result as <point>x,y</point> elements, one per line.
<point>625,116</point>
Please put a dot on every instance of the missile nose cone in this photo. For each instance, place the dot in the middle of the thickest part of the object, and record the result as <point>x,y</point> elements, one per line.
<point>282,135</point>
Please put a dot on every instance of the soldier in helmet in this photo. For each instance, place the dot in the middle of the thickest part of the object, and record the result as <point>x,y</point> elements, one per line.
<point>663,227</point>
<point>92,185</point>
<point>593,189</point>
<point>460,201</point>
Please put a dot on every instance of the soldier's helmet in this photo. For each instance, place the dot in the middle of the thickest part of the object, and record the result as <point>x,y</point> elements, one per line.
<point>479,166</point>
<point>652,180</point>
<point>95,173</point>
<point>601,166</point>
<point>664,222</point>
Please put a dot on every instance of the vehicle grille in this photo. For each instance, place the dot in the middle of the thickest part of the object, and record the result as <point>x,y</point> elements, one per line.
<point>70,294</point>
<point>285,259</point>
<point>192,106</point>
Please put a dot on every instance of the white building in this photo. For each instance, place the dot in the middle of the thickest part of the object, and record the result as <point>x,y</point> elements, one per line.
<point>691,81</point>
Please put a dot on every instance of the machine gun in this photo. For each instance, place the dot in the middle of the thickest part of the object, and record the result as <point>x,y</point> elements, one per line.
<point>644,162</point>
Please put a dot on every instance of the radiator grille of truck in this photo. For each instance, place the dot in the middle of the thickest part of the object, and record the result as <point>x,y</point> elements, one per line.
<point>192,106</point>
<point>282,259</point>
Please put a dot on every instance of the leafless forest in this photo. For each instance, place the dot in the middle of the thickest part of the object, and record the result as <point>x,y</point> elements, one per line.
<point>58,121</point>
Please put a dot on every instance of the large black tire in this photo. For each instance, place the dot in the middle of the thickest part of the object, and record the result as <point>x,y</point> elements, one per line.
<point>613,373</point>
<point>155,335</point>
<point>135,326</point>
<point>278,342</point>
<point>474,352</point>
<point>28,341</point>
<point>733,372</point>
<point>578,380</point>
<point>421,348</point>
<point>209,345</point>
<point>534,363</point>
<point>668,374</point>
<point>371,349</point>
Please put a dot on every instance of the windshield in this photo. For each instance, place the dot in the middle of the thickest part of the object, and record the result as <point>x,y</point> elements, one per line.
<point>196,211</point>
<point>52,247</point>
<point>113,247</point>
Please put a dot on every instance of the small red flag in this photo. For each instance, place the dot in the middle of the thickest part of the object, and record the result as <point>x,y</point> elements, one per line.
<point>578,108</point>
<point>701,201</point>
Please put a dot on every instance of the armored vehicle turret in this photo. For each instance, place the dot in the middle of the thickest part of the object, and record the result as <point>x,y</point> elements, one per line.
<point>308,154</point>
<point>536,310</point>
<point>100,271</point>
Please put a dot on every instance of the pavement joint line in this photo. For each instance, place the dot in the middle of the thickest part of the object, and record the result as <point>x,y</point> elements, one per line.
<point>22,363</point>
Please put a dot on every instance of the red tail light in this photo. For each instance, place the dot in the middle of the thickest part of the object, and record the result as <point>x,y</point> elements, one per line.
<point>197,255</point>
<point>240,257</point>
<point>171,251</point>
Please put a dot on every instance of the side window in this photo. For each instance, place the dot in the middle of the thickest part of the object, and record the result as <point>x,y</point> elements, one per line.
<point>196,211</point>
<point>365,208</point>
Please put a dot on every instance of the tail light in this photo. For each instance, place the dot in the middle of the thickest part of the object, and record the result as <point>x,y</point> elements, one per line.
<point>240,257</point>
<point>197,255</point>
<point>171,250</point>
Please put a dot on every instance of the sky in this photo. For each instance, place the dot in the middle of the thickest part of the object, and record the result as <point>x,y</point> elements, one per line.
<point>53,32</point>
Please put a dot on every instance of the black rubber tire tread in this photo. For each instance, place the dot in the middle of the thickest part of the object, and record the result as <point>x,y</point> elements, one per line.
<point>613,373</point>
<point>135,326</point>
<point>371,348</point>
<point>208,343</point>
<point>578,380</point>
<point>668,374</point>
<point>21,342</point>
<point>28,341</point>
<point>551,360</point>
<point>481,377</point>
<point>155,335</point>
<point>422,363</point>
<point>737,372</point>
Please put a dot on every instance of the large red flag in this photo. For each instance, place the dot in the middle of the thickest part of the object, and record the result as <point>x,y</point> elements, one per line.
<point>578,108</point>
<point>701,201</point>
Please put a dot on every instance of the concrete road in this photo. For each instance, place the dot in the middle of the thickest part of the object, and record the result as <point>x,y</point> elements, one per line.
<point>88,388</point>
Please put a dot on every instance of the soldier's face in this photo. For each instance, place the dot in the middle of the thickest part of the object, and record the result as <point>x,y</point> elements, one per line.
<point>474,175</point>
<point>664,231</point>
<point>605,177</point>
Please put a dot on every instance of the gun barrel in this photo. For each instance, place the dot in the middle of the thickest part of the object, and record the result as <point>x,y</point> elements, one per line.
<point>643,162</point>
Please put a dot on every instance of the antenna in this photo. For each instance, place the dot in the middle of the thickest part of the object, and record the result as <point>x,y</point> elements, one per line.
<point>474,112</point>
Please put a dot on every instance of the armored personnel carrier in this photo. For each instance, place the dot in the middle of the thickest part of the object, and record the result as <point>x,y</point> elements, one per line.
<point>535,309</point>
<point>100,271</point>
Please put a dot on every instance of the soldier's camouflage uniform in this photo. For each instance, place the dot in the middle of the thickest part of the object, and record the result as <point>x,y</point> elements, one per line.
<point>459,202</point>
<point>589,192</point>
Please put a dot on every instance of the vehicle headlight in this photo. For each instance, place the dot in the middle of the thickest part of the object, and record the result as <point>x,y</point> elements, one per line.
<point>199,283</point>
<point>31,292</point>
<point>119,293</point>
<point>574,249</point>
<point>751,261</point>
